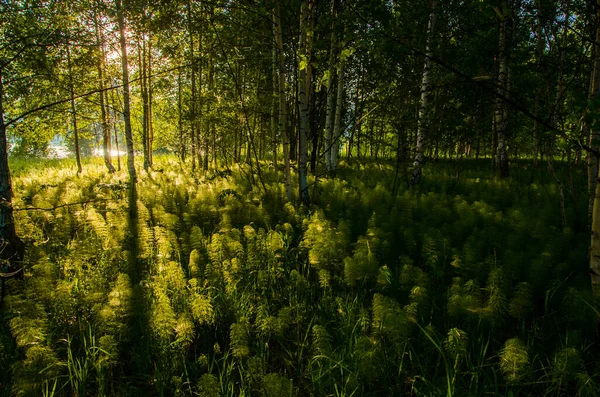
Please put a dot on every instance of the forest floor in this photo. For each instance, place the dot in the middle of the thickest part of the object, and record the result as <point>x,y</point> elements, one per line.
<point>205,284</point>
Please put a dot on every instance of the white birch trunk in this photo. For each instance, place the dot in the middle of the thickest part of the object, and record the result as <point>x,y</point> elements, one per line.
<point>500,111</point>
<point>423,123</point>
<point>282,105</point>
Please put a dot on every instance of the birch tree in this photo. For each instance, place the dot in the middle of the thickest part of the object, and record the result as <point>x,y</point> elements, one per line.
<point>303,89</point>
<point>595,241</point>
<point>423,122</point>
<point>278,33</point>
<point>500,112</point>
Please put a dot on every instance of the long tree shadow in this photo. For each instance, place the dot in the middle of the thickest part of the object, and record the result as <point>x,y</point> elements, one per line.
<point>138,352</point>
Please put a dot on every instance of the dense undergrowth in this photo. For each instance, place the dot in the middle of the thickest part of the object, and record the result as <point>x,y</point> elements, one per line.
<point>469,286</point>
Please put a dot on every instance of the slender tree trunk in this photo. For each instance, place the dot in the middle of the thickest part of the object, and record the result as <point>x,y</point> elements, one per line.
<point>150,91</point>
<point>207,125</point>
<point>73,110</point>
<point>114,121</point>
<point>500,115</point>
<point>494,147</point>
<point>538,92</point>
<point>330,115</point>
<point>202,140</point>
<point>318,121</point>
<point>193,130</point>
<point>144,92</point>
<point>560,86</point>
<point>423,123</point>
<point>11,247</point>
<point>106,146</point>
<point>180,118</point>
<point>337,125</point>
<point>274,99</point>
<point>358,135</point>
<point>371,138</point>
<point>595,240</point>
<point>282,105</point>
<point>294,117</point>
<point>126,108</point>
<point>594,133</point>
<point>303,86</point>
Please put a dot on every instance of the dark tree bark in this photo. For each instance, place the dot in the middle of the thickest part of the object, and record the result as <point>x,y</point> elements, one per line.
<point>126,108</point>
<point>106,146</point>
<point>73,111</point>
<point>303,90</point>
<point>11,246</point>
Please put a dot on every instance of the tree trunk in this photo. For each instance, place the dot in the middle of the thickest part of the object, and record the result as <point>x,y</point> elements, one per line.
<point>594,133</point>
<point>275,97</point>
<point>337,125</point>
<point>294,118</point>
<point>494,147</point>
<point>144,92</point>
<point>11,247</point>
<point>73,110</point>
<point>193,131</point>
<point>595,241</point>
<point>303,86</point>
<point>150,93</point>
<point>114,122</point>
<point>180,118</point>
<point>424,121</point>
<point>126,108</point>
<point>207,124</point>
<point>538,92</point>
<point>282,105</point>
<point>330,115</point>
<point>500,115</point>
<point>106,146</point>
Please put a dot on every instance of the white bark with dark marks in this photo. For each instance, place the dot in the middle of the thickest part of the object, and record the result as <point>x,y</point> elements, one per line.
<point>424,119</point>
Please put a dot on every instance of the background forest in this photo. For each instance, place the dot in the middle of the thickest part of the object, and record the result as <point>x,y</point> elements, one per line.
<point>299,198</point>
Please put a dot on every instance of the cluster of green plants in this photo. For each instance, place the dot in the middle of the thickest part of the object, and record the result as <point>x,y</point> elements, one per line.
<point>467,285</point>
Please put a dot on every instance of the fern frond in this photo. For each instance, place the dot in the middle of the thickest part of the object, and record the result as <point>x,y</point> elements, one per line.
<point>208,386</point>
<point>238,335</point>
<point>456,343</point>
<point>276,385</point>
<point>389,319</point>
<point>321,340</point>
<point>522,301</point>
<point>202,309</point>
<point>163,319</point>
<point>514,360</point>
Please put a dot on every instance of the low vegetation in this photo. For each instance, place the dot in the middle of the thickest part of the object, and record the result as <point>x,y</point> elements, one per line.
<point>466,285</point>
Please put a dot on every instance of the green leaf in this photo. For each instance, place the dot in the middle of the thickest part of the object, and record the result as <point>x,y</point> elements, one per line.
<point>303,62</point>
<point>346,53</point>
